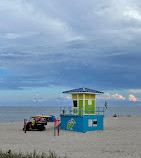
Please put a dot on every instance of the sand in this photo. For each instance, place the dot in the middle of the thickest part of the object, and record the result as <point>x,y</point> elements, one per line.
<point>120,138</point>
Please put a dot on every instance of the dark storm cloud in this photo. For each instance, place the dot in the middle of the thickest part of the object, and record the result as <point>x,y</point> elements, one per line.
<point>70,43</point>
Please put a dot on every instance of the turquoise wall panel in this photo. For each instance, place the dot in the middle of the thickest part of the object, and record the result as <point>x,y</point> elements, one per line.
<point>82,123</point>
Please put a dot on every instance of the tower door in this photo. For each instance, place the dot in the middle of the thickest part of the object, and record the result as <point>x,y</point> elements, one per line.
<point>89,106</point>
<point>80,107</point>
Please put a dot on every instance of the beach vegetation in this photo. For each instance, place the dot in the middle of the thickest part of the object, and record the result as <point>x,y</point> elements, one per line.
<point>10,154</point>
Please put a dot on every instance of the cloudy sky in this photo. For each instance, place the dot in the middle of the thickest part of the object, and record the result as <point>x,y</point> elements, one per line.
<point>50,46</point>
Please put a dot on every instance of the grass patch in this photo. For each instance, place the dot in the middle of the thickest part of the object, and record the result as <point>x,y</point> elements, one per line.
<point>10,154</point>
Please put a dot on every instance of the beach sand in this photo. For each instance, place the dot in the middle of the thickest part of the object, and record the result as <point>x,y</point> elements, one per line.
<point>121,138</point>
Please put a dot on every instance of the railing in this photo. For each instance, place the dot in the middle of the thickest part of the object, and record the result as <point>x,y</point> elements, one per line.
<point>75,111</point>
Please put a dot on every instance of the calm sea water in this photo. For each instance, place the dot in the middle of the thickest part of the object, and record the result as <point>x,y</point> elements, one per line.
<point>19,113</point>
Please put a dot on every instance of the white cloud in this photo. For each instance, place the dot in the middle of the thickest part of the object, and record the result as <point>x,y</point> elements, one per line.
<point>135,90</point>
<point>38,98</point>
<point>116,96</point>
<point>66,97</point>
<point>131,97</point>
<point>17,35</point>
<point>11,36</point>
<point>133,14</point>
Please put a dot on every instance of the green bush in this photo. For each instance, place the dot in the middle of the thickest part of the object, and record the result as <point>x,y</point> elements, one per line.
<point>10,154</point>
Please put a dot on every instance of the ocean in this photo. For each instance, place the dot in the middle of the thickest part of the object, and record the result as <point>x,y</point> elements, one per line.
<point>19,113</point>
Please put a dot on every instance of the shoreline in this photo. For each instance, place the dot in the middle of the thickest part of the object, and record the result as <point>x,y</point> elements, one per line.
<point>18,114</point>
<point>118,116</point>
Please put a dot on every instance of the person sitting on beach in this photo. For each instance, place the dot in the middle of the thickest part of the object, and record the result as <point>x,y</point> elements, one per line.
<point>115,115</point>
<point>128,115</point>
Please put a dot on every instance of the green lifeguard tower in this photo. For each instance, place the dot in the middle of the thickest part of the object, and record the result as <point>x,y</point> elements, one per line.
<point>83,116</point>
<point>83,100</point>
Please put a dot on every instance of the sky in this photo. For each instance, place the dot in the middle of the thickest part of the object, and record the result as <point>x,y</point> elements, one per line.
<point>47,47</point>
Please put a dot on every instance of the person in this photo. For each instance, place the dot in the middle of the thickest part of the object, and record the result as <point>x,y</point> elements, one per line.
<point>115,115</point>
<point>63,112</point>
<point>33,122</point>
<point>105,104</point>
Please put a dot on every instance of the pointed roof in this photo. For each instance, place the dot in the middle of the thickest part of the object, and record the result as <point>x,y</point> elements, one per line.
<point>83,90</point>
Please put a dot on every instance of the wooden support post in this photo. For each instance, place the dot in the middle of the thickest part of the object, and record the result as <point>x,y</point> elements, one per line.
<point>54,128</point>
<point>56,124</point>
<point>58,129</point>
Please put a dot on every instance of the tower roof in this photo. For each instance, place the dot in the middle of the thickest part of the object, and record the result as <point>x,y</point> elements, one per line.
<point>83,90</point>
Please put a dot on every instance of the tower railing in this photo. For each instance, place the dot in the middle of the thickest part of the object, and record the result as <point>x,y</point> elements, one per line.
<point>82,111</point>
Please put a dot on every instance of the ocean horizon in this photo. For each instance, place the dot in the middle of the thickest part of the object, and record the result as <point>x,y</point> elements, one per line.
<point>19,113</point>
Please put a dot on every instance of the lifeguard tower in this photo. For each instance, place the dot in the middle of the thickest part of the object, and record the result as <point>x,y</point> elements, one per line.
<point>83,116</point>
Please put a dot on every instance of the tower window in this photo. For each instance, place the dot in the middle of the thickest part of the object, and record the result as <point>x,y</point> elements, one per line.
<point>89,102</point>
<point>95,122</point>
<point>75,103</point>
